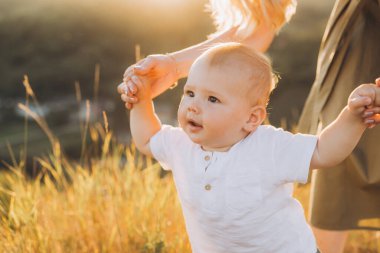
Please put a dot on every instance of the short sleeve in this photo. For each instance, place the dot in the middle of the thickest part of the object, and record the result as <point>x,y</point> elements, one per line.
<point>164,145</point>
<point>292,155</point>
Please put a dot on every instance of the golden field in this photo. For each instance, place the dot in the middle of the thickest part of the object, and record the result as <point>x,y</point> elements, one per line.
<point>111,200</point>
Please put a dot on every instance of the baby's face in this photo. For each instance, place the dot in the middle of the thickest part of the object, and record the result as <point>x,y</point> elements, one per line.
<point>214,108</point>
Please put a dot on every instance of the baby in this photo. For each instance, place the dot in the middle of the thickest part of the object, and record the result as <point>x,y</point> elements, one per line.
<point>234,175</point>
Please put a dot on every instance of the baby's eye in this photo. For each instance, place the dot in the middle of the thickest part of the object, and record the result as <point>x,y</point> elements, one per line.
<point>213,99</point>
<point>189,93</point>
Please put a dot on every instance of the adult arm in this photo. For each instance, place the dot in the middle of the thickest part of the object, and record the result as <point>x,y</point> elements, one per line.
<point>164,70</point>
<point>260,40</point>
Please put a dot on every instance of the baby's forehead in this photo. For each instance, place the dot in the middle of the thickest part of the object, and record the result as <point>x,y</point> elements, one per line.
<point>237,62</point>
<point>231,79</point>
<point>234,69</point>
<point>233,60</point>
<point>239,65</point>
<point>252,76</point>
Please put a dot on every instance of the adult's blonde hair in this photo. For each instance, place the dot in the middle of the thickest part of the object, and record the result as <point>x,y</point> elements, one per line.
<point>247,14</point>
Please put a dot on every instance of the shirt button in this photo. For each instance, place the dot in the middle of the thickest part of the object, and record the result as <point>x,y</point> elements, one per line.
<point>207,158</point>
<point>207,187</point>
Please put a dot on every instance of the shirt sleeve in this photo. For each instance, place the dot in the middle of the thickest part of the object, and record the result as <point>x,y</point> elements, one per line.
<point>292,155</point>
<point>164,145</point>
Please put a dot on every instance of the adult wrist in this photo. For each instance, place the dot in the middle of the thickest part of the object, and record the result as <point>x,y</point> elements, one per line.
<point>176,71</point>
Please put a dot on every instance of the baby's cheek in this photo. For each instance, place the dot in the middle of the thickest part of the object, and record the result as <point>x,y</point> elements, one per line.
<point>181,115</point>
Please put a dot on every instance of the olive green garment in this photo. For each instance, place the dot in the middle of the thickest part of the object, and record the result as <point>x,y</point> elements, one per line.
<point>347,196</point>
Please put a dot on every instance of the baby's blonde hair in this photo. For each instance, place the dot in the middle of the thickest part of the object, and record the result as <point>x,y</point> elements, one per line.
<point>247,14</point>
<point>258,73</point>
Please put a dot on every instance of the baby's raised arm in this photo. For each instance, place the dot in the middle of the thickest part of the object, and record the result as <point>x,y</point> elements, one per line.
<point>144,122</point>
<point>339,138</point>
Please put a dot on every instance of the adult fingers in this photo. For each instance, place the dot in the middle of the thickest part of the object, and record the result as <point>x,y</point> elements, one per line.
<point>131,87</point>
<point>136,81</point>
<point>128,72</point>
<point>121,88</point>
<point>145,66</point>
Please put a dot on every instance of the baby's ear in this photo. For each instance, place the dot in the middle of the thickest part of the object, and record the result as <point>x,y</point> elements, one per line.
<point>257,116</point>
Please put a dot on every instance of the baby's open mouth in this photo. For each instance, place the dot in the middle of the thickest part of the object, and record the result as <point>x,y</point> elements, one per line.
<point>194,124</point>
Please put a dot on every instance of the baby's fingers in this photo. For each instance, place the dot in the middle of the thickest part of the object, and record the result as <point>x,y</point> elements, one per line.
<point>369,112</point>
<point>358,104</point>
<point>128,106</point>
<point>371,116</point>
<point>129,99</point>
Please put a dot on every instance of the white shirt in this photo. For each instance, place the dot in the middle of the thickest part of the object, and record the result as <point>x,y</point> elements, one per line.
<point>240,201</point>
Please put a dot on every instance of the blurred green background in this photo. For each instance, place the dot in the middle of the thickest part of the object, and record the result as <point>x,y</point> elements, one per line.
<point>59,43</point>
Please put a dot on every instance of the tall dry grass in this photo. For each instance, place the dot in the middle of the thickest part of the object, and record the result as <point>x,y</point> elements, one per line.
<point>116,201</point>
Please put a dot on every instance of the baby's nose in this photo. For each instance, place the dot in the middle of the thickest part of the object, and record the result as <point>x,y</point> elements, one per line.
<point>193,109</point>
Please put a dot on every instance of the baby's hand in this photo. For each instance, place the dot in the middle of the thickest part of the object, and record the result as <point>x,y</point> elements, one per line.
<point>143,87</point>
<point>372,113</point>
<point>364,102</point>
<point>161,71</point>
<point>128,88</point>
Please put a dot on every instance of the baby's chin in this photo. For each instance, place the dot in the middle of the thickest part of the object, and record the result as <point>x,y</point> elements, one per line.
<point>201,142</point>
<point>193,137</point>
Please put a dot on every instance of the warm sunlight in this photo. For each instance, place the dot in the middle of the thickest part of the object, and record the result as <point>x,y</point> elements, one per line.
<point>167,3</point>
<point>170,7</point>
<point>73,174</point>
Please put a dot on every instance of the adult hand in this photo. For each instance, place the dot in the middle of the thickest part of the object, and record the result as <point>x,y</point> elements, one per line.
<point>159,70</point>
